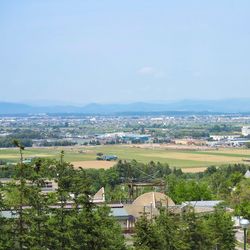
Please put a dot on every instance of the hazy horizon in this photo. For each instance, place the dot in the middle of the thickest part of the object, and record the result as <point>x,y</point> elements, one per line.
<point>80,52</point>
<point>44,103</point>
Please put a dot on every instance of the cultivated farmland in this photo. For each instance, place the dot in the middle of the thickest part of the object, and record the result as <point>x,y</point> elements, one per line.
<point>181,158</point>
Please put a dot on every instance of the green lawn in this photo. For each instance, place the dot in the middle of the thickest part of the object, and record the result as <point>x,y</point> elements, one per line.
<point>219,153</point>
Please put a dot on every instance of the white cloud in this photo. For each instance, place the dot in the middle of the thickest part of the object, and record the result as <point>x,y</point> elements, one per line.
<point>146,71</point>
<point>150,71</point>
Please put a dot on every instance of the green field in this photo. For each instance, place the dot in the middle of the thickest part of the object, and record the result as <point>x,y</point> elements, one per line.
<point>174,157</point>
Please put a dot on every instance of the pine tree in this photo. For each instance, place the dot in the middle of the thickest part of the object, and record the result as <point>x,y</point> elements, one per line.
<point>147,236</point>
<point>21,230</point>
<point>172,230</point>
<point>195,234</point>
<point>63,220</point>
<point>220,230</point>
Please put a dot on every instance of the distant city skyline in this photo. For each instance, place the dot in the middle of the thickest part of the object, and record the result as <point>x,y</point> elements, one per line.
<point>79,52</point>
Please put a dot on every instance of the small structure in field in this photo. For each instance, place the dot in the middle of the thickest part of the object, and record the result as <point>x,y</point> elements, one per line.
<point>106,157</point>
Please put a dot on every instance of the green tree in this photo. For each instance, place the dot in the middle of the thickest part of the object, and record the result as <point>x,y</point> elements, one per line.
<point>194,230</point>
<point>240,199</point>
<point>220,230</point>
<point>85,226</point>
<point>21,230</point>
<point>181,190</point>
<point>147,235</point>
<point>95,229</point>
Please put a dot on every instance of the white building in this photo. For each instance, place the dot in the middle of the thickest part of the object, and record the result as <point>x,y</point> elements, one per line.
<point>245,130</point>
<point>224,137</point>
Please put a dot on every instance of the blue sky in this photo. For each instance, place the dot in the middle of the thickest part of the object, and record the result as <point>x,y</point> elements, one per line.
<point>124,51</point>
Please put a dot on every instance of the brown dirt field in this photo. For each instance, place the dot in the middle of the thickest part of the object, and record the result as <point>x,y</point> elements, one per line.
<point>94,164</point>
<point>169,146</point>
<point>8,156</point>
<point>193,170</point>
<point>234,151</point>
<point>108,164</point>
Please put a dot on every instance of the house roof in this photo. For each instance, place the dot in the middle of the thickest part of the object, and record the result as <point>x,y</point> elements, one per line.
<point>119,212</point>
<point>99,196</point>
<point>247,174</point>
<point>8,214</point>
<point>153,198</point>
<point>207,204</point>
<point>148,203</point>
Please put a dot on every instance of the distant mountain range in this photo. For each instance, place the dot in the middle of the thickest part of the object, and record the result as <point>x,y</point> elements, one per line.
<point>213,106</point>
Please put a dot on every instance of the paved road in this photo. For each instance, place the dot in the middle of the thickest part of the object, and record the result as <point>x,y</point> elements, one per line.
<point>239,235</point>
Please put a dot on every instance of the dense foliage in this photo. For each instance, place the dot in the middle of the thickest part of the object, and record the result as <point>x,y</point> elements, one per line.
<point>56,143</point>
<point>39,220</point>
<point>187,232</point>
<point>7,142</point>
